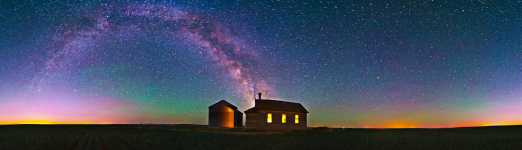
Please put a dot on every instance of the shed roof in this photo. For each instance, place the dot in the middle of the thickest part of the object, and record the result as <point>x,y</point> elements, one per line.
<point>276,105</point>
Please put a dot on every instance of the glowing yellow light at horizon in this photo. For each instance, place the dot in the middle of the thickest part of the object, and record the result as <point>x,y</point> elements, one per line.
<point>30,122</point>
<point>269,118</point>
<point>401,125</point>
<point>500,123</point>
<point>296,119</point>
<point>50,122</point>
<point>283,118</point>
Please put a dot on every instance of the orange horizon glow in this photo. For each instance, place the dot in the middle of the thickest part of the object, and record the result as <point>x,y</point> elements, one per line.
<point>49,122</point>
<point>386,126</point>
<point>406,125</point>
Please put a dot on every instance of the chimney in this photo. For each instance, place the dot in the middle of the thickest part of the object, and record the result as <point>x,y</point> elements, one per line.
<point>259,96</point>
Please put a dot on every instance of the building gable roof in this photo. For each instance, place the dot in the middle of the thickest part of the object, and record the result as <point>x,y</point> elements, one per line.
<point>223,102</point>
<point>276,105</point>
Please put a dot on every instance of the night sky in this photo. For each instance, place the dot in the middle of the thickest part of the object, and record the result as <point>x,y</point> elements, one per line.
<point>425,63</point>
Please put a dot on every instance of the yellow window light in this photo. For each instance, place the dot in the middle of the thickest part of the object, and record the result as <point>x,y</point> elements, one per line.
<point>296,119</point>
<point>283,118</point>
<point>269,118</point>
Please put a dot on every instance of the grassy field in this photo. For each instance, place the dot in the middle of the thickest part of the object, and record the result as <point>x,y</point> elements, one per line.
<point>179,137</point>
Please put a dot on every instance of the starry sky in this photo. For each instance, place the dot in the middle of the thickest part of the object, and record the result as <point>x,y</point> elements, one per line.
<point>384,63</point>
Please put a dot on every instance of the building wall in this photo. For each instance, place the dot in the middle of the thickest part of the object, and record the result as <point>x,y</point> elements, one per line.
<point>221,116</point>
<point>252,120</point>
<point>238,119</point>
<point>259,120</point>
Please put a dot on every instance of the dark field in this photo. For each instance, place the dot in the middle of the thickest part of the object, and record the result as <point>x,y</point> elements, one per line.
<point>176,137</point>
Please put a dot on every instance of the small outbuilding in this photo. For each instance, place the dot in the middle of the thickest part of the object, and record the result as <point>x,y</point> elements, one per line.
<point>225,115</point>
<point>276,114</point>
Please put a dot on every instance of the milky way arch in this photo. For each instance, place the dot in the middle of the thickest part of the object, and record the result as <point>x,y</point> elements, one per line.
<point>74,40</point>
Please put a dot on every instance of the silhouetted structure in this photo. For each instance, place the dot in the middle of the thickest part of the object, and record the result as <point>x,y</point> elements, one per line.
<point>275,114</point>
<point>225,115</point>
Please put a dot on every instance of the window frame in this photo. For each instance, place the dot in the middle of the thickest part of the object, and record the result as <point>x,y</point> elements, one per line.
<point>269,118</point>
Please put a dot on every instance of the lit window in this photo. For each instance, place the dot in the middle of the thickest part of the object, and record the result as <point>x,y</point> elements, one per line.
<point>283,118</point>
<point>269,118</point>
<point>296,119</point>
